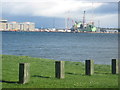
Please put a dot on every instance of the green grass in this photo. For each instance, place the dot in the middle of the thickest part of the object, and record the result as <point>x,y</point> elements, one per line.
<point>42,74</point>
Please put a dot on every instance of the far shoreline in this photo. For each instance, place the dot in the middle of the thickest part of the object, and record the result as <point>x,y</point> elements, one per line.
<point>49,59</point>
<point>64,32</point>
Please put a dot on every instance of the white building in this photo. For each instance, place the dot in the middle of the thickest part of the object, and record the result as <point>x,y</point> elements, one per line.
<point>28,26</point>
<point>3,25</point>
<point>61,30</point>
<point>112,31</point>
<point>15,26</point>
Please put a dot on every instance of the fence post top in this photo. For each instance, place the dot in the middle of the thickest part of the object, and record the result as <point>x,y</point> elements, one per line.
<point>89,60</point>
<point>23,63</point>
<point>114,59</point>
<point>59,61</point>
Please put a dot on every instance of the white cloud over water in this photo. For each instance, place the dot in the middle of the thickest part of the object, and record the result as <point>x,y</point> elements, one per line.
<point>62,8</point>
<point>48,8</point>
<point>60,0</point>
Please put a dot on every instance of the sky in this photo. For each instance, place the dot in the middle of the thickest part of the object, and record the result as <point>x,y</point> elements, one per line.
<point>59,13</point>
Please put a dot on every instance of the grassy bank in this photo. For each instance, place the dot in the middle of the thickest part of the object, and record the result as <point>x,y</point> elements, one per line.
<point>42,74</point>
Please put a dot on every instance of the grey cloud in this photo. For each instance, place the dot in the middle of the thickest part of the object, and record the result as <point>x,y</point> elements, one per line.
<point>98,0</point>
<point>106,8</point>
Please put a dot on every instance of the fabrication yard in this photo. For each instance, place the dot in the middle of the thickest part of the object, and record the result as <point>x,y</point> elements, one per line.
<point>42,74</point>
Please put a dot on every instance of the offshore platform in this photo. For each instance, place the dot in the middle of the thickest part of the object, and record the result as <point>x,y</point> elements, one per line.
<point>82,26</point>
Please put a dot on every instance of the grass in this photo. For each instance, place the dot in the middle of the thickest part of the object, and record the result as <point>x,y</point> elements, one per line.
<point>42,74</point>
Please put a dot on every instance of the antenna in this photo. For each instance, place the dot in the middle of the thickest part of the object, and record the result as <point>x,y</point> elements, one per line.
<point>98,23</point>
<point>84,18</point>
<point>53,22</point>
<point>65,21</point>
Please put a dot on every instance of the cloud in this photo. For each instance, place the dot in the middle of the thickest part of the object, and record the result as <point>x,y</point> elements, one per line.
<point>59,0</point>
<point>47,8</point>
<point>73,9</point>
<point>110,20</point>
<point>107,8</point>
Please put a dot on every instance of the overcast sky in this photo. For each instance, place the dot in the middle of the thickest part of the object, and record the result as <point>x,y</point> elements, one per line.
<point>47,12</point>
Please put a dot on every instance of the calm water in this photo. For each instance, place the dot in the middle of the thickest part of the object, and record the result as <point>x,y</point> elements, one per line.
<point>62,46</point>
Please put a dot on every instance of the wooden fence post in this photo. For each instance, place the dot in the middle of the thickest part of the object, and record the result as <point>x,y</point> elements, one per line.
<point>24,73</point>
<point>59,69</point>
<point>114,66</point>
<point>89,67</point>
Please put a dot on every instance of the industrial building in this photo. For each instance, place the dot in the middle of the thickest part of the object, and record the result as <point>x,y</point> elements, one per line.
<point>16,26</point>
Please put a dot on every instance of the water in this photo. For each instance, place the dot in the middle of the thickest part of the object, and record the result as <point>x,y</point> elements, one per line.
<point>100,47</point>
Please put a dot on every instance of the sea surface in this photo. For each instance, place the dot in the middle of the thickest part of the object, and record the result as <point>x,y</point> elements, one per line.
<point>78,47</point>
